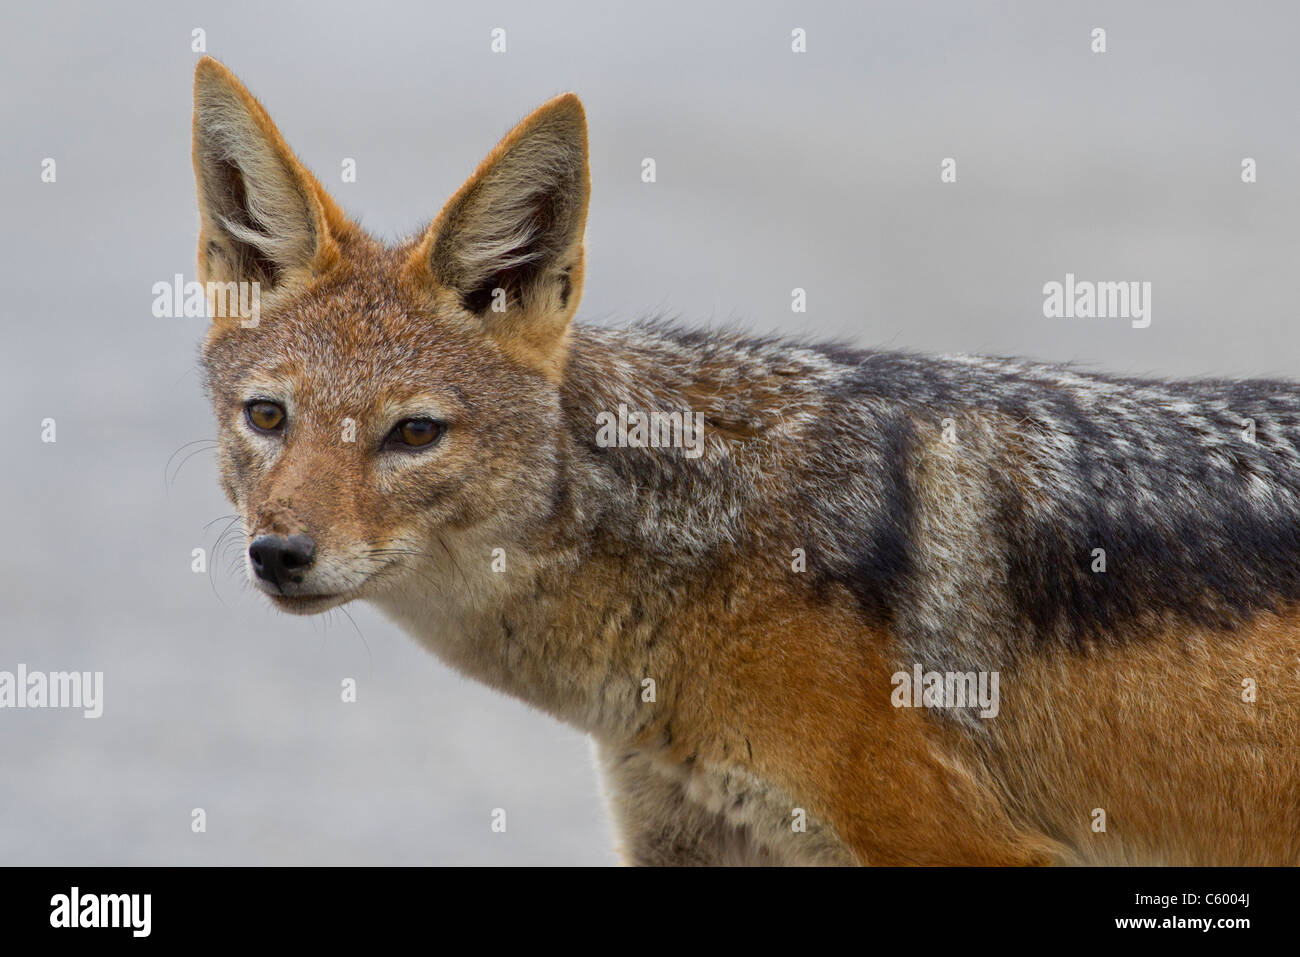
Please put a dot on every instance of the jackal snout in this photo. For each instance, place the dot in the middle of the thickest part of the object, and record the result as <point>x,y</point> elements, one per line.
<point>281,559</point>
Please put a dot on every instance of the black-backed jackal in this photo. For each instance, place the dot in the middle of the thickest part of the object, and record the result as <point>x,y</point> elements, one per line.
<point>814,605</point>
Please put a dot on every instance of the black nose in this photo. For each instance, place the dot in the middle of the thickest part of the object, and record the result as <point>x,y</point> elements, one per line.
<point>278,559</point>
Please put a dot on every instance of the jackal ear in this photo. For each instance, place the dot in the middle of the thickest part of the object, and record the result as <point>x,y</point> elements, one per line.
<point>264,217</point>
<point>508,246</point>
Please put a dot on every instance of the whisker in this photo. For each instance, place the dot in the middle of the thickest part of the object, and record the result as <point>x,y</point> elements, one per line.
<point>217,554</point>
<point>423,575</point>
<point>452,559</point>
<point>369,656</point>
<point>170,458</point>
<point>176,474</point>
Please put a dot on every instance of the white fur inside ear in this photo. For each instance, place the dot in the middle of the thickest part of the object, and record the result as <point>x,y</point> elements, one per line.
<point>521,222</point>
<point>253,196</point>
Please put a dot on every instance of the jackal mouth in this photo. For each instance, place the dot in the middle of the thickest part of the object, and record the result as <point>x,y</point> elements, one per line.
<point>308,604</point>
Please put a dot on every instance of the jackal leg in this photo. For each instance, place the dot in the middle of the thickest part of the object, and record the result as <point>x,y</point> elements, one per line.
<point>659,825</point>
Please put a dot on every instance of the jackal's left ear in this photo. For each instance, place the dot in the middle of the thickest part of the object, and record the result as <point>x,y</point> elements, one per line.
<point>508,246</point>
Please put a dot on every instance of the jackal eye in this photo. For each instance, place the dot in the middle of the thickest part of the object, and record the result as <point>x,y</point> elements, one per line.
<point>414,433</point>
<point>265,416</point>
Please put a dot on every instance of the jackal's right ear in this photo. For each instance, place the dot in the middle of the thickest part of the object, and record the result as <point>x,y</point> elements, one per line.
<point>265,218</point>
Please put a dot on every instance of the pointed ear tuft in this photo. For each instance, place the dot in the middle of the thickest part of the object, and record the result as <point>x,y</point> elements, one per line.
<point>509,244</point>
<point>265,218</point>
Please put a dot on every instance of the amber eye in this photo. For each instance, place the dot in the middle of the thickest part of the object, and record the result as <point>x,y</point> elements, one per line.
<point>415,433</point>
<point>265,416</point>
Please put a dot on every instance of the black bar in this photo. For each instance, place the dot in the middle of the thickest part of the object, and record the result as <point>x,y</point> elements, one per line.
<point>331,906</point>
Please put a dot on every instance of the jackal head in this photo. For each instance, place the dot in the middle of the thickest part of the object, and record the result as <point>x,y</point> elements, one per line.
<point>387,405</point>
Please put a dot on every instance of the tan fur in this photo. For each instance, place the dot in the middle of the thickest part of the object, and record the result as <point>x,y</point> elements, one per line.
<point>1158,735</point>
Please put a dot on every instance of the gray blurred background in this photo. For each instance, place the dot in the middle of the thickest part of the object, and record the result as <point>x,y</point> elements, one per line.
<point>775,170</point>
